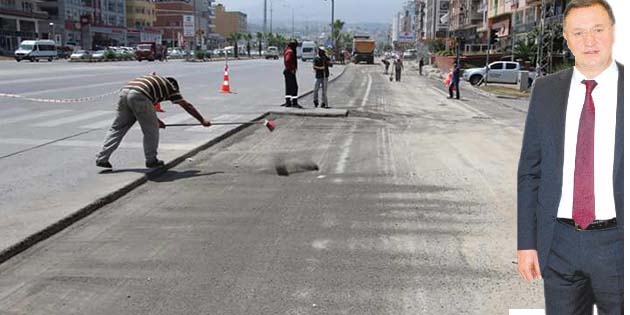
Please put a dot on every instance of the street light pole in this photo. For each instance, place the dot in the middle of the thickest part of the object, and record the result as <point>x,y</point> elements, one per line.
<point>52,30</point>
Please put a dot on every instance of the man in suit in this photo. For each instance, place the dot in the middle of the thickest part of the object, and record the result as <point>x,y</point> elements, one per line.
<point>570,173</point>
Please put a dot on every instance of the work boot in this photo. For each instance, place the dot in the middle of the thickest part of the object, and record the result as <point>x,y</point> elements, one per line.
<point>154,164</point>
<point>324,105</point>
<point>287,103</point>
<point>103,164</point>
<point>295,104</point>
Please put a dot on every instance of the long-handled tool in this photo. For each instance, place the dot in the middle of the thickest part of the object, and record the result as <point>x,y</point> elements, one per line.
<point>270,124</point>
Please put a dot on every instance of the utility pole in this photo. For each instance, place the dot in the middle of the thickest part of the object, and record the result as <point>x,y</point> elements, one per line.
<point>271,16</point>
<point>265,17</point>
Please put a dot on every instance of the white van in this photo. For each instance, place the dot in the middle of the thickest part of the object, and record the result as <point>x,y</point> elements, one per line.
<point>34,50</point>
<point>308,50</point>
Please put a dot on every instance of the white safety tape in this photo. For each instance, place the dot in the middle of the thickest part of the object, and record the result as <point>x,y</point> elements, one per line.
<point>63,100</point>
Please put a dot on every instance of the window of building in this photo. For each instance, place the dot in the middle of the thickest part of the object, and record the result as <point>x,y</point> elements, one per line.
<point>518,17</point>
<point>530,15</point>
<point>27,6</point>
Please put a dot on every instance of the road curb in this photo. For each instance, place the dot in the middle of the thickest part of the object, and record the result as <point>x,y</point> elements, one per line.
<point>92,207</point>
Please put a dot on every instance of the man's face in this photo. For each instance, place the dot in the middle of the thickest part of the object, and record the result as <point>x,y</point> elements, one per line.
<point>590,35</point>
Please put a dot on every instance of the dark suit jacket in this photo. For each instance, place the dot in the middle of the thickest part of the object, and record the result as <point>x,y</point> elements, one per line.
<point>542,158</point>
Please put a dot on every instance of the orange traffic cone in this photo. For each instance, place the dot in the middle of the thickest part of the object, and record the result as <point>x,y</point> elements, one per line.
<point>158,106</point>
<point>226,82</point>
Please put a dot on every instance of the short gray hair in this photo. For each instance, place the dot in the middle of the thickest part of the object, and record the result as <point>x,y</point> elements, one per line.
<point>575,4</point>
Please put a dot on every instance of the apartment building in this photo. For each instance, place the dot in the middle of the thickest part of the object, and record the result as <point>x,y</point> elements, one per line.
<point>21,20</point>
<point>228,22</point>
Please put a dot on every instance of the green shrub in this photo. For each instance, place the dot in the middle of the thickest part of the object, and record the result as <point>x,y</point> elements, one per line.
<point>200,54</point>
<point>109,55</point>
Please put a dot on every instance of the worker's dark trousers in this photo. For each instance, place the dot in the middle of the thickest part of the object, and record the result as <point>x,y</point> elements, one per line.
<point>290,86</point>
<point>398,74</point>
<point>454,86</point>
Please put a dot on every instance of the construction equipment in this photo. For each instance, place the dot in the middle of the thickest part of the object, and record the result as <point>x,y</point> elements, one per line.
<point>363,49</point>
<point>270,124</point>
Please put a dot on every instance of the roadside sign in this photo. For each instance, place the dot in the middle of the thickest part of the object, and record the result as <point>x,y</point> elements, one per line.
<point>189,25</point>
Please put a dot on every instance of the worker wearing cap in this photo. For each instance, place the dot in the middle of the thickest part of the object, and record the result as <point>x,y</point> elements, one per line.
<point>321,63</point>
<point>136,104</point>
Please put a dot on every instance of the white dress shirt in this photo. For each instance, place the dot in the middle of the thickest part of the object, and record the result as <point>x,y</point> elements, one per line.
<point>605,100</point>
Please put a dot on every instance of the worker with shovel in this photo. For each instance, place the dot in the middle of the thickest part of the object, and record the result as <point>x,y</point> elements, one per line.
<point>136,104</point>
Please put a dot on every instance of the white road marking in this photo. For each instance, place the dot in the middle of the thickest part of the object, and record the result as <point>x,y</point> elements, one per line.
<point>12,111</point>
<point>367,91</point>
<point>70,119</point>
<point>465,107</point>
<point>345,151</point>
<point>33,116</point>
<point>99,124</point>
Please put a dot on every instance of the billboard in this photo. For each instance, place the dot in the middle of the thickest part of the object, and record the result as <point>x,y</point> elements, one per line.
<point>189,25</point>
<point>406,37</point>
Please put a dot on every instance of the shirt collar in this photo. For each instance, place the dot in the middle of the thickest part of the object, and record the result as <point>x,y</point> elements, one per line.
<point>608,76</point>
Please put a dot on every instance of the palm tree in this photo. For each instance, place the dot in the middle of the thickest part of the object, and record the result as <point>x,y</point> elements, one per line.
<point>259,38</point>
<point>248,38</point>
<point>337,27</point>
<point>234,38</point>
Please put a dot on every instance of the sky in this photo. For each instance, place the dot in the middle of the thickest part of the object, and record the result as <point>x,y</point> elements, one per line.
<point>349,11</point>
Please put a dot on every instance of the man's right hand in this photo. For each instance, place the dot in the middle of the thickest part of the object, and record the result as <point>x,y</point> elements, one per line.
<point>528,264</point>
<point>206,123</point>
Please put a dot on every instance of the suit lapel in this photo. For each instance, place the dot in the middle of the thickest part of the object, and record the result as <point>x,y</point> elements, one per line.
<point>561,93</point>
<point>618,159</point>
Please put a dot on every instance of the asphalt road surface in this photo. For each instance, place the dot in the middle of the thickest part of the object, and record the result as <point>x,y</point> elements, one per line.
<point>412,210</point>
<point>47,149</point>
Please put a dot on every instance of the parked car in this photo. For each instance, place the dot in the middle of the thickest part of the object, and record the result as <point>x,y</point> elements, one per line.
<point>34,50</point>
<point>308,50</point>
<point>149,51</point>
<point>80,55</point>
<point>410,54</point>
<point>175,53</point>
<point>498,72</point>
<point>271,52</point>
<point>98,55</point>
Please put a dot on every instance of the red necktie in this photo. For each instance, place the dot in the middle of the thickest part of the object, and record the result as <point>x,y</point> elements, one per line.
<point>584,175</point>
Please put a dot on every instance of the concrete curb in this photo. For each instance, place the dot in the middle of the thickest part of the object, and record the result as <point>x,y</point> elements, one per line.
<point>92,207</point>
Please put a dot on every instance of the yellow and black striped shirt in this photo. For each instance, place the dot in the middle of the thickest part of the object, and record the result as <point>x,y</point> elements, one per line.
<point>156,88</point>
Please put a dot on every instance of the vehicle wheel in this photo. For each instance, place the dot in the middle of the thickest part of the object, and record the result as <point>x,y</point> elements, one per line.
<point>50,59</point>
<point>139,60</point>
<point>18,60</point>
<point>151,60</point>
<point>37,59</point>
<point>475,79</point>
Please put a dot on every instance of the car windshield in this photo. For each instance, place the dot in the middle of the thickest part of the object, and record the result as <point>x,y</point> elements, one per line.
<point>307,49</point>
<point>144,47</point>
<point>80,52</point>
<point>26,47</point>
<point>99,52</point>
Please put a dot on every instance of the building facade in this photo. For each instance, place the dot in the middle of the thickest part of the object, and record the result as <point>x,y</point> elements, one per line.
<point>229,22</point>
<point>91,24</point>
<point>21,20</point>
<point>140,14</point>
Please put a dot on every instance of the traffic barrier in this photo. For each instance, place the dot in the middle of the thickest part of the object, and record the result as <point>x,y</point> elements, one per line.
<point>225,89</point>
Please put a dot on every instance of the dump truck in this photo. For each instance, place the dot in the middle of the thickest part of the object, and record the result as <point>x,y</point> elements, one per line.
<point>363,49</point>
